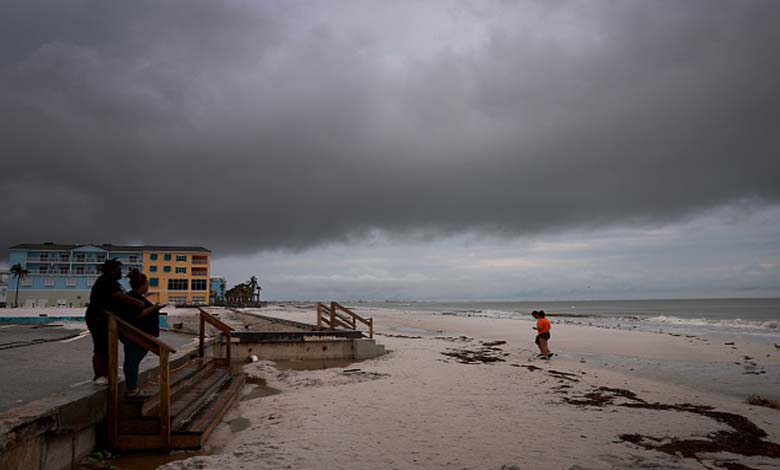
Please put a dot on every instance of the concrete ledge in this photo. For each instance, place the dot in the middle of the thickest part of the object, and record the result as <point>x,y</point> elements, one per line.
<point>367,349</point>
<point>287,336</point>
<point>56,432</point>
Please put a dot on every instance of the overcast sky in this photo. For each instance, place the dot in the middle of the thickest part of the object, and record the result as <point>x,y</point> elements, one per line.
<point>409,149</point>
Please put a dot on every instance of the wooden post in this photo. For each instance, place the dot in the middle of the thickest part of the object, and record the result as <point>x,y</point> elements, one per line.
<point>332,316</point>
<point>229,341</point>
<point>371,328</point>
<point>113,383</point>
<point>319,316</point>
<point>202,335</point>
<point>165,402</point>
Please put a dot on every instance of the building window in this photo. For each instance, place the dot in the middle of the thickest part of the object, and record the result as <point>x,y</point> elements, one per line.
<point>133,259</point>
<point>199,284</point>
<point>43,269</point>
<point>71,282</point>
<point>65,258</point>
<point>80,258</point>
<point>100,258</point>
<point>153,257</point>
<point>64,270</point>
<point>44,257</point>
<point>181,258</point>
<point>167,269</point>
<point>200,260</point>
<point>181,270</point>
<point>178,284</point>
<point>167,256</point>
<point>49,282</point>
<point>198,299</point>
<point>200,272</point>
<point>154,282</point>
<point>176,299</point>
<point>79,269</point>
<point>152,269</point>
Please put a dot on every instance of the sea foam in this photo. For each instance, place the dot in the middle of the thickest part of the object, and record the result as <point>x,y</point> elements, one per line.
<point>729,323</point>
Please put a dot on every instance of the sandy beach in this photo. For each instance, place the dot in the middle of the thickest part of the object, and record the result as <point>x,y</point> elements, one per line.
<point>460,392</point>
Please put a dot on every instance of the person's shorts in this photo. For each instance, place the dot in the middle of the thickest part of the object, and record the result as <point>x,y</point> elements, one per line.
<point>98,329</point>
<point>545,335</point>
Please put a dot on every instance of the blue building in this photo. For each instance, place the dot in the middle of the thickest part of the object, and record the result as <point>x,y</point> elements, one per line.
<point>217,293</point>
<point>62,275</point>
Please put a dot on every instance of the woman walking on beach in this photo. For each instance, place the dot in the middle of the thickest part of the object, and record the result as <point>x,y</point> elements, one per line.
<point>106,294</point>
<point>542,328</point>
<point>147,319</point>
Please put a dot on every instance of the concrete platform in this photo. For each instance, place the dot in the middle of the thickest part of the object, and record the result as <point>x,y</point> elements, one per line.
<point>40,360</point>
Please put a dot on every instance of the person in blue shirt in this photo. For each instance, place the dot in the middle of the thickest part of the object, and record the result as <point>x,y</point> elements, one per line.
<point>147,319</point>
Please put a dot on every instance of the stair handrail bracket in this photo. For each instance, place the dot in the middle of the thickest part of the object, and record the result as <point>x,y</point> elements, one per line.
<point>339,315</point>
<point>206,317</point>
<point>117,326</point>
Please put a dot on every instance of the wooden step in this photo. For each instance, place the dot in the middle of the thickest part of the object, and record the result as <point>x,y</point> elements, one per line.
<point>149,392</point>
<point>190,401</point>
<point>192,434</point>
<point>199,390</point>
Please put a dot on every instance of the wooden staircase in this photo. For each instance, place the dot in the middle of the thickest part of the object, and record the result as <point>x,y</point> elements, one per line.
<point>339,316</point>
<point>180,408</point>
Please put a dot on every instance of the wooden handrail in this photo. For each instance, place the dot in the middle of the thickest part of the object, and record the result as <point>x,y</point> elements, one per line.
<point>129,332</point>
<point>216,323</point>
<point>334,318</point>
<point>368,322</point>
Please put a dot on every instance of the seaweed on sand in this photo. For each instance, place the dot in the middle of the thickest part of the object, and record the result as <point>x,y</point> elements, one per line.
<point>744,438</point>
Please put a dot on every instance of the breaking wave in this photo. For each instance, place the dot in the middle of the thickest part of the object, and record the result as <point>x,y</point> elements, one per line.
<point>732,323</point>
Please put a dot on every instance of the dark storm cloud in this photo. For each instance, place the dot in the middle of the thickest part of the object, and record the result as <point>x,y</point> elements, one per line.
<point>247,126</point>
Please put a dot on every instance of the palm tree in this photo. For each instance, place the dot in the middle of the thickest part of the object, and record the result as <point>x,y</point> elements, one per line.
<point>254,288</point>
<point>19,273</point>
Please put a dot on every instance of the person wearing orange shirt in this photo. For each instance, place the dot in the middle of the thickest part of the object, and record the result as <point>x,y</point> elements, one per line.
<point>542,328</point>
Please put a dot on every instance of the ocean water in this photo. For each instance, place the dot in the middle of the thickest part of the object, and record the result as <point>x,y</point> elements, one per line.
<point>759,318</point>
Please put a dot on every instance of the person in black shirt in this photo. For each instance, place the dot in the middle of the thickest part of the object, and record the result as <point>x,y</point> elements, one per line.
<point>147,319</point>
<point>106,294</point>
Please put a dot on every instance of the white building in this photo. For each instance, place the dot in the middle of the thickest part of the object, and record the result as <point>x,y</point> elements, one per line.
<point>3,287</point>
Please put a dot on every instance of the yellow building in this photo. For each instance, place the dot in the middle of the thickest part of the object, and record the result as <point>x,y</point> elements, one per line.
<point>177,274</point>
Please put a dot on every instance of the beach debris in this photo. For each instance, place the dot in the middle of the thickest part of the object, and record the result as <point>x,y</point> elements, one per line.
<point>529,367</point>
<point>363,376</point>
<point>728,344</point>
<point>777,346</point>
<point>752,368</point>
<point>493,343</point>
<point>563,375</point>
<point>462,339</point>
<point>744,438</point>
<point>759,400</point>
<point>481,355</point>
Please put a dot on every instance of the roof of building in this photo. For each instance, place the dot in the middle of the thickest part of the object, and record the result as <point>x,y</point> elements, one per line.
<point>106,246</point>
